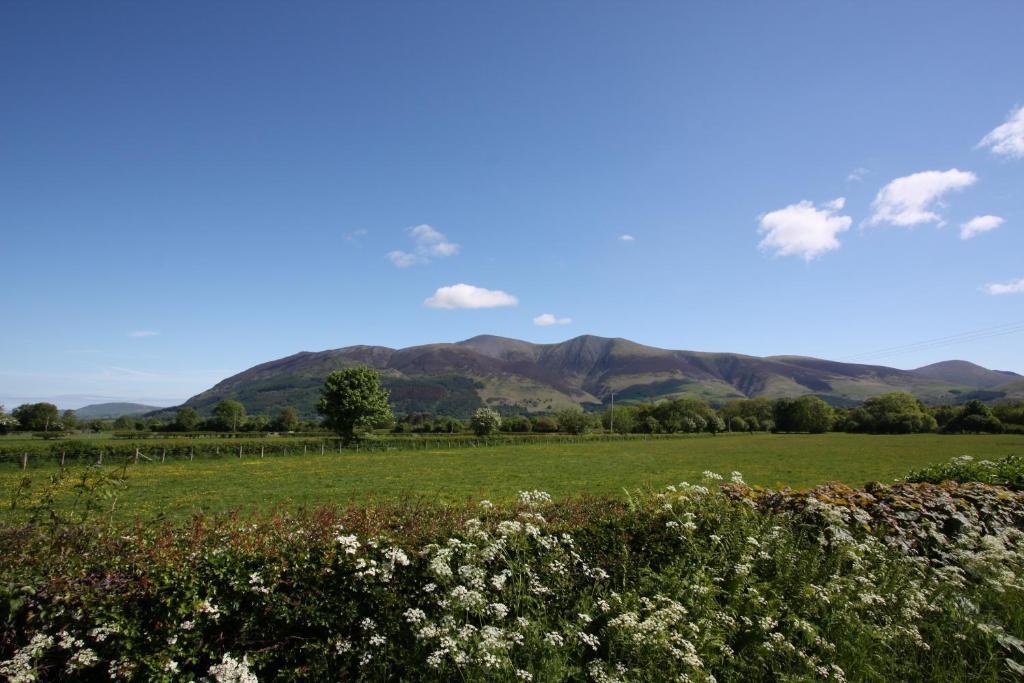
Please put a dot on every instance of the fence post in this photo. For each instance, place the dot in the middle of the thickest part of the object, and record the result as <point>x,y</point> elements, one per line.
<point>190,454</point>
<point>321,448</point>
<point>24,461</point>
<point>303,449</point>
<point>261,451</point>
<point>62,454</point>
<point>100,461</point>
<point>163,455</point>
<point>136,456</point>
<point>239,452</point>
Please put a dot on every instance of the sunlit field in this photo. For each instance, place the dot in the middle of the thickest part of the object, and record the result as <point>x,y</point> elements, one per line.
<point>178,487</point>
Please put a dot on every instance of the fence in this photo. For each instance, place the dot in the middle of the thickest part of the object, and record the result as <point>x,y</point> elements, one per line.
<point>188,449</point>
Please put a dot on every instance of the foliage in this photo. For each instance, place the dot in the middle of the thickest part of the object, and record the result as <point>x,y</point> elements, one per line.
<point>804,414</point>
<point>544,424</point>
<point>621,419</point>
<point>186,419</point>
<point>287,420</point>
<point>229,415</point>
<point>975,417</point>
<point>8,423</point>
<point>1008,471</point>
<point>894,413</point>
<point>743,584</point>
<point>485,421</point>
<point>574,421</point>
<point>37,417</point>
<point>352,401</point>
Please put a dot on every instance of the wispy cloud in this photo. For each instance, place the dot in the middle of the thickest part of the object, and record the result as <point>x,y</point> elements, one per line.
<point>468,296</point>
<point>1008,139</point>
<point>143,333</point>
<point>354,235</point>
<point>804,230</point>
<point>548,319</point>
<point>627,238</point>
<point>857,174</point>
<point>910,200</point>
<point>1012,287</point>
<point>429,243</point>
<point>978,225</point>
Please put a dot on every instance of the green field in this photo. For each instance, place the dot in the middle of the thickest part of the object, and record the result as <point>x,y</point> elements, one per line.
<point>179,488</point>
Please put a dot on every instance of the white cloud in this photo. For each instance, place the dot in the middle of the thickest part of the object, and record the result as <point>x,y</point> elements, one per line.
<point>429,241</point>
<point>468,296</point>
<point>857,174</point>
<point>355,235</point>
<point>1012,287</point>
<point>1007,139</point>
<point>978,225</point>
<point>143,333</point>
<point>403,259</point>
<point>547,319</point>
<point>803,230</point>
<point>627,238</point>
<point>908,200</point>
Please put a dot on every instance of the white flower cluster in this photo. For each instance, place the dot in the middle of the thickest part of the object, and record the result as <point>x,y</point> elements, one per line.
<point>231,670</point>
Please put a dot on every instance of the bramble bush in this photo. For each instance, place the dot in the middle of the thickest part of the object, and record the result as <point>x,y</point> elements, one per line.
<point>709,581</point>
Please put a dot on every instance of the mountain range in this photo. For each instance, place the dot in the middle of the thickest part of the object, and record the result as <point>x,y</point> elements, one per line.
<point>456,378</point>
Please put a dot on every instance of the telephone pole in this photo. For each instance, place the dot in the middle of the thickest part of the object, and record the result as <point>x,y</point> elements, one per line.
<point>611,415</point>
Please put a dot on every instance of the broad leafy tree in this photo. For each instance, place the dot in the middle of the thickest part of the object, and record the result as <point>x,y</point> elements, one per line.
<point>574,420</point>
<point>352,401</point>
<point>37,417</point>
<point>287,420</point>
<point>229,414</point>
<point>485,421</point>
<point>186,420</point>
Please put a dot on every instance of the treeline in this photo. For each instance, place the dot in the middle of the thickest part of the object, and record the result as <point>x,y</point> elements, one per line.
<point>892,413</point>
<point>227,416</point>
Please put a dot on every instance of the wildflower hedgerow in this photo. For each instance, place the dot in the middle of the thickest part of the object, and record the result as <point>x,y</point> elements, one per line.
<point>700,582</point>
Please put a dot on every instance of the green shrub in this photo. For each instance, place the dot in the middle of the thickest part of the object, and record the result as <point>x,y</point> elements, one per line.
<point>1008,472</point>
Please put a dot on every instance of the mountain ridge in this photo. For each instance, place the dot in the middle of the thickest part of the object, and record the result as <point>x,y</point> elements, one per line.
<point>457,377</point>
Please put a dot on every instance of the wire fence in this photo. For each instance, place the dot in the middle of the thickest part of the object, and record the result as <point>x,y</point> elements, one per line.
<point>99,452</point>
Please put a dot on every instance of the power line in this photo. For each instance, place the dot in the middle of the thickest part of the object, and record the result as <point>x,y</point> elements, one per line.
<point>940,342</point>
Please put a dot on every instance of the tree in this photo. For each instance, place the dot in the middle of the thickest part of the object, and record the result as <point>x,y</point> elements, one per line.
<point>896,412</point>
<point>805,414</point>
<point>69,420</point>
<point>125,423</point>
<point>186,420</point>
<point>8,423</point>
<point>287,420</point>
<point>353,400</point>
<point>574,420</point>
<point>97,426</point>
<point>621,419</point>
<point>485,421</point>
<point>36,417</point>
<point>975,417</point>
<point>738,424</point>
<point>519,423</point>
<point>229,415</point>
<point>544,424</point>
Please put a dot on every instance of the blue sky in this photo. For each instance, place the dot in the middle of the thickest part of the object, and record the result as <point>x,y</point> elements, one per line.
<point>245,181</point>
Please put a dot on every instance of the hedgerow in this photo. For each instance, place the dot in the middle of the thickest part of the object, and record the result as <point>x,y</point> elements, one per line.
<point>696,582</point>
<point>1008,471</point>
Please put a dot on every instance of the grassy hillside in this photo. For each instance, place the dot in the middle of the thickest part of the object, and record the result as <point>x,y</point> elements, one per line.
<point>457,378</point>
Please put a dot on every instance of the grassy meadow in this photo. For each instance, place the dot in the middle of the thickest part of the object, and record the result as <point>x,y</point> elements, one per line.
<point>179,488</point>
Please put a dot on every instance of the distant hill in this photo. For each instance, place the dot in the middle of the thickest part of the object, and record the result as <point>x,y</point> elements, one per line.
<point>109,411</point>
<point>457,378</point>
<point>968,374</point>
